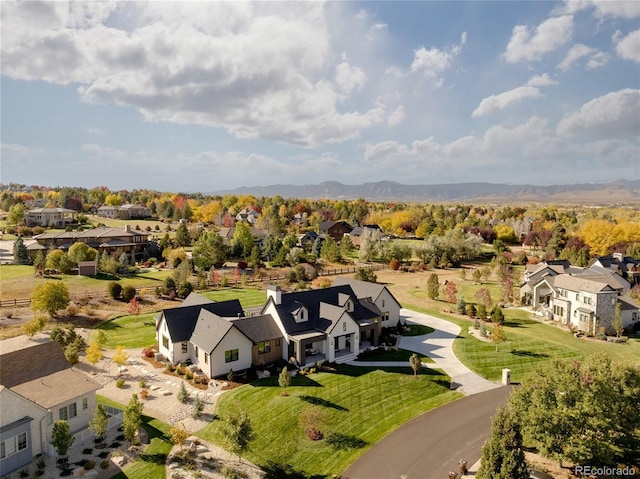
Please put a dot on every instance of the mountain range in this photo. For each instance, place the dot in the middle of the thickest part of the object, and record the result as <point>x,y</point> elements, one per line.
<point>621,191</point>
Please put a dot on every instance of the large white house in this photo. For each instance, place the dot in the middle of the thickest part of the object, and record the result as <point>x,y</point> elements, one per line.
<point>331,324</point>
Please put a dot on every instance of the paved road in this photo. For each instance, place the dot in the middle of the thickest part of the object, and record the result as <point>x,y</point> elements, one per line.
<point>431,445</point>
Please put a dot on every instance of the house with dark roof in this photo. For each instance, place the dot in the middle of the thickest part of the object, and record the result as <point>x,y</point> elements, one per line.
<point>323,324</point>
<point>217,336</point>
<point>104,239</point>
<point>335,229</point>
<point>32,399</point>
<point>380,295</point>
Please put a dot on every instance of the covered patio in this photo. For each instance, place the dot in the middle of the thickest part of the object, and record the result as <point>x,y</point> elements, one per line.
<point>308,346</point>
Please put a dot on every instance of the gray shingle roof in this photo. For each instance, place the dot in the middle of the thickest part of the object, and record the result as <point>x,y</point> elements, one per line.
<point>43,359</point>
<point>209,330</point>
<point>258,328</point>
<point>363,289</point>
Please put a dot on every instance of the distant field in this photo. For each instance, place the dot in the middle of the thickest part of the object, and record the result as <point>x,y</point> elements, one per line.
<point>18,281</point>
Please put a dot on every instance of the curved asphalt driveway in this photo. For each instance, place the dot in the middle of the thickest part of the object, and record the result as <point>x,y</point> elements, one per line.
<point>430,446</point>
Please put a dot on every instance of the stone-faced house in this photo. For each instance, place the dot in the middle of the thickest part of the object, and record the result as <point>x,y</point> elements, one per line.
<point>582,298</point>
<point>323,324</point>
<point>381,297</point>
<point>50,217</point>
<point>33,398</point>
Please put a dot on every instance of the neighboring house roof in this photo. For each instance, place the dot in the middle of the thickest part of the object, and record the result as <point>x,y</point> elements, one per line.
<point>628,303</point>
<point>57,388</point>
<point>258,328</point>
<point>325,225</point>
<point>49,379</point>
<point>578,283</point>
<point>43,359</point>
<point>364,289</point>
<point>181,321</point>
<point>612,279</point>
<point>50,210</point>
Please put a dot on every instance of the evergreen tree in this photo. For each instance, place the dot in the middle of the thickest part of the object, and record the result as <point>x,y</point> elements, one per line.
<point>503,453</point>
<point>20,254</point>
<point>497,316</point>
<point>39,262</point>
<point>182,237</point>
<point>183,394</point>
<point>433,286</point>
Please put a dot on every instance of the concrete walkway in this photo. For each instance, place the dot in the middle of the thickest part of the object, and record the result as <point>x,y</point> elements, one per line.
<point>439,347</point>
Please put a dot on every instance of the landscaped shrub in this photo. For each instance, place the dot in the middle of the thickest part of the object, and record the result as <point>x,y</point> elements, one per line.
<point>128,293</point>
<point>144,394</point>
<point>104,464</point>
<point>120,383</point>
<point>394,264</point>
<point>149,352</point>
<point>114,289</point>
<point>24,472</point>
<point>89,465</point>
<point>143,384</point>
<point>184,289</point>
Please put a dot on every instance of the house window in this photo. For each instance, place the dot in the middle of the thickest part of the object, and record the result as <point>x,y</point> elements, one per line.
<point>22,441</point>
<point>344,326</point>
<point>264,347</point>
<point>383,303</point>
<point>634,316</point>
<point>385,316</point>
<point>206,358</point>
<point>197,351</point>
<point>165,342</point>
<point>231,355</point>
<point>302,314</point>
<point>577,297</point>
<point>62,413</point>
<point>85,403</point>
<point>73,411</point>
<point>278,341</point>
<point>184,348</point>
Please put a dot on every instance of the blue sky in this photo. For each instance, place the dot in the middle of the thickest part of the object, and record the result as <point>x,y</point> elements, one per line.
<point>206,96</point>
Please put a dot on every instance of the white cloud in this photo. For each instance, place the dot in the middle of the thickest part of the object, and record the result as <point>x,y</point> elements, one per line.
<point>396,117</point>
<point>528,45</point>
<point>629,47</point>
<point>541,80</point>
<point>596,59</point>
<point>253,69</point>
<point>495,103</point>
<point>432,63</point>
<point>602,8</point>
<point>614,115</point>
<point>349,78</point>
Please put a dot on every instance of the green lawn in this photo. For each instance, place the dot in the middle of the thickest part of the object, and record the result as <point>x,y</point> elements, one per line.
<point>529,344</point>
<point>139,331</point>
<point>395,355</point>
<point>130,331</point>
<point>151,463</point>
<point>362,404</point>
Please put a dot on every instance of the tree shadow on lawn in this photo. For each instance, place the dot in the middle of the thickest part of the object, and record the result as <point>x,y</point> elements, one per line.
<point>304,381</point>
<point>357,371</point>
<point>530,354</point>
<point>316,401</point>
<point>106,277</point>
<point>519,323</point>
<point>286,471</point>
